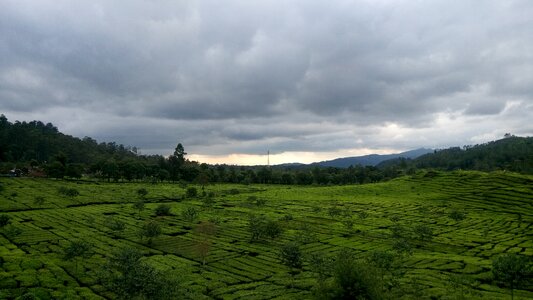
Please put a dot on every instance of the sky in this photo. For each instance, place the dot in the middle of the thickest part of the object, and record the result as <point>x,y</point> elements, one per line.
<point>306,80</point>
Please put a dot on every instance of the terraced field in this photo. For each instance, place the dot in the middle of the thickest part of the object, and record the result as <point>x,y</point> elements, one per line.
<point>497,210</point>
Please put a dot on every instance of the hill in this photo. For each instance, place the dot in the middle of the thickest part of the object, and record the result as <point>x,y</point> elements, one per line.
<point>372,159</point>
<point>511,153</point>
<point>443,230</point>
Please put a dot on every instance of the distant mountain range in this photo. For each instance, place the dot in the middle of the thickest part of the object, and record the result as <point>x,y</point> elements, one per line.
<point>365,160</point>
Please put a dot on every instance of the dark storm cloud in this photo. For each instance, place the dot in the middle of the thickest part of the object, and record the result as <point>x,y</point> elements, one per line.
<point>244,76</point>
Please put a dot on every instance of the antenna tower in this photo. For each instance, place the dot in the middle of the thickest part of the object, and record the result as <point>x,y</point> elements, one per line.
<point>268,158</point>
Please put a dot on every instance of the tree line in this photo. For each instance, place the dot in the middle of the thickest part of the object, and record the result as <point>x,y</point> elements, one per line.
<point>38,149</point>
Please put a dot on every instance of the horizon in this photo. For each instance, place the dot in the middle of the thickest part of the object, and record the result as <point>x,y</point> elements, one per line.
<point>307,81</point>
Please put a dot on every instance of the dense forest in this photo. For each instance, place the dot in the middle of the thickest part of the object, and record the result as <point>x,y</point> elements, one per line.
<point>38,149</point>
<point>511,153</point>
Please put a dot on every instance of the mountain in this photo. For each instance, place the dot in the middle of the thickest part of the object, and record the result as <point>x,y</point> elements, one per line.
<point>371,159</point>
<point>512,153</point>
<point>365,160</point>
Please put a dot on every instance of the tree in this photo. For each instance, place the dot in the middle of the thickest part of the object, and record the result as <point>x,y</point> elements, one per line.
<point>139,205</point>
<point>142,192</point>
<point>131,278</point>
<point>76,250</point>
<point>204,232</point>
<point>190,214</point>
<point>4,220</point>
<point>117,226</point>
<point>150,230</point>
<point>39,200</point>
<point>291,255</point>
<point>191,192</point>
<point>261,227</point>
<point>512,270</point>
<point>162,210</point>
<point>352,279</point>
<point>423,232</point>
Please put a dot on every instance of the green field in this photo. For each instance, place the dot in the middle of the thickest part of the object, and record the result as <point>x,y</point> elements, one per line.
<point>498,210</point>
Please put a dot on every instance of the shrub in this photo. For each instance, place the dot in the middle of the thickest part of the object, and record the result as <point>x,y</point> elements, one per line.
<point>457,215</point>
<point>291,255</point>
<point>150,230</point>
<point>4,220</point>
<point>261,227</point>
<point>163,210</point>
<point>191,192</point>
<point>116,226</point>
<point>190,214</point>
<point>512,270</point>
<point>130,278</point>
<point>69,192</point>
<point>39,200</point>
<point>334,211</point>
<point>423,232</point>
<point>142,192</point>
<point>352,279</point>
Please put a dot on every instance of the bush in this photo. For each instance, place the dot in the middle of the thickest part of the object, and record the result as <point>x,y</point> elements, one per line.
<point>457,215</point>
<point>4,220</point>
<point>142,192</point>
<point>163,210</point>
<point>39,200</point>
<point>352,279</point>
<point>150,230</point>
<point>261,227</point>
<point>291,256</point>
<point>116,226</point>
<point>423,232</point>
<point>513,271</point>
<point>191,192</point>
<point>69,192</point>
<point>190,214</point>
<point>130,278</point>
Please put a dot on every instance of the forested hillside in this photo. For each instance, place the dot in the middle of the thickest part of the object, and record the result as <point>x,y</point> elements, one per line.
<point>38,149</point>
<point>511,153</point>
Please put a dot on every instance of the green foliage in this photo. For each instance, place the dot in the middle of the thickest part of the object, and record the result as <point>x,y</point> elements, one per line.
<point>116,226</point>
<point>150,230</point>
<point>423,232</point>
<point>362,215</point>
<point>68,192</point>
<point>191,192</point>
<point>397,230</point>
<point>334,211</point>
<point>457,215</point>
<point>261,227</point>
<point>139,205</point>
<point>77,249</point>
<point>402,247</point>
<point>352,279</point>
<point>190,214</point>
<point>321,265</point>
<point>4,220</point>
<point>234,192</point>
<point>142,192</point>
<point>39,200</point>
<point>130,278</point>
<point>163,210</point>
<point>464,287</point>
<point>11,231</point>
<point>512,270</point>
<point>291,255</point>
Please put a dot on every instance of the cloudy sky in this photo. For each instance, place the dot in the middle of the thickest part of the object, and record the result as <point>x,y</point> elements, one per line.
<point>307,80</point>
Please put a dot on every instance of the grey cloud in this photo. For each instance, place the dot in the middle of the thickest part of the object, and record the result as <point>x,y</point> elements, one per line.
<point>241,76</point>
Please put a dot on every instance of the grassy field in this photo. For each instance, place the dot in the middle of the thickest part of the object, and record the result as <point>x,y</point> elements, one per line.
<point>497,210</point>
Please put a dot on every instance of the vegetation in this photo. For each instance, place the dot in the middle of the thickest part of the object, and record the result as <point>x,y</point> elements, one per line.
<point>425,234</point>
